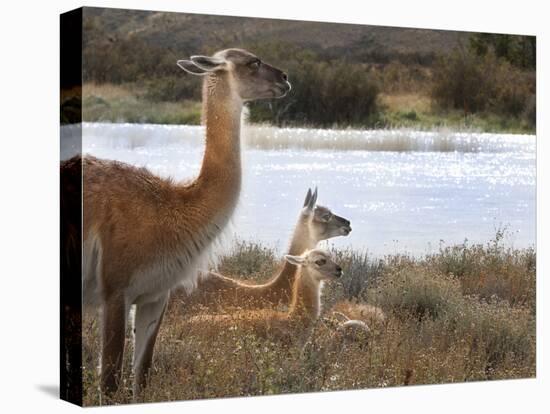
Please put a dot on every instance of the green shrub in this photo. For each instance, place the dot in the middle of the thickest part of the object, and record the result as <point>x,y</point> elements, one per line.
<point>473,83</point>
<point>520,51</point>
<point>324,93</point>
<point>410,115</point>
<point>461,81</point>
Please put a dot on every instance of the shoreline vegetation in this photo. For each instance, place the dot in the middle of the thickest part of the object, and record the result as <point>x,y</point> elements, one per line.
<point>127,103</point>
<point>464,313</point>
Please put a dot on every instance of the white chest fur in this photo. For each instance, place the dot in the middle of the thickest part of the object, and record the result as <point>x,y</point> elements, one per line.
<point>166,273</point>
<point>180,268</point>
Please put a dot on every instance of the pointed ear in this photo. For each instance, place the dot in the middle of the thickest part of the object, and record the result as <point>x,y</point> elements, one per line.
<point>313,199</point>
<point>208,64</point>
<point>295,260</point>
<point>308,197</point>
<point>191,68</point>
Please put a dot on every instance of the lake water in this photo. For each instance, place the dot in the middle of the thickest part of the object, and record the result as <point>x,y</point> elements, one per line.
<point>404,191</point>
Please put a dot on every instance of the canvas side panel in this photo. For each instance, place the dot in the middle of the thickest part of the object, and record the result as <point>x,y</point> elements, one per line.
<point>71,207</point>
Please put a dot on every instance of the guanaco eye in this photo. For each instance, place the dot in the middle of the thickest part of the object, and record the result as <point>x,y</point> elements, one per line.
<point>327,217</point>
<point>320,262</point>
<point>255,64</point>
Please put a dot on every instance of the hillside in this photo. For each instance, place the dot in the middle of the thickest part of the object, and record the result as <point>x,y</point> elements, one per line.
<point>190,33</point>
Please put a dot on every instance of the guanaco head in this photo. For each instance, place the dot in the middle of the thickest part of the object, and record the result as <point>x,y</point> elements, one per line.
<point>323,224</point>
<point>319,264</point>
<point>249,75</point>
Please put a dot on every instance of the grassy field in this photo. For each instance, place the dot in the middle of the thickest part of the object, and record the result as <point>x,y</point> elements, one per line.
<point>116,103</point>
<point>126,103</point>
<point>417,111</point>
<point>466,313</point>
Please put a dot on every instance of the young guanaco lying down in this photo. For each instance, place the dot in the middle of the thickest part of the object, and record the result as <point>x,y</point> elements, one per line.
<point>371,315</point>
<point>314,267</point>
<point>215,291</point>
<point>355,321</point>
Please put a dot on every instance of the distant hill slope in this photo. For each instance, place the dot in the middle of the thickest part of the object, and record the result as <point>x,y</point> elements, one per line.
<point>193,33</point>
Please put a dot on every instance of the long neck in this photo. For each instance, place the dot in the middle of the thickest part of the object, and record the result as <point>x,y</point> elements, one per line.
<point>222,109</point>
<point>306,298</point>
<point>216,189</point>
<point>300,242</point>
<point>302,239</point>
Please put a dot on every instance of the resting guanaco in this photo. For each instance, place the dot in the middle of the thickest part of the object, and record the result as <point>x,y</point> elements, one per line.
<point>315,223</point>
<point>315,267</point>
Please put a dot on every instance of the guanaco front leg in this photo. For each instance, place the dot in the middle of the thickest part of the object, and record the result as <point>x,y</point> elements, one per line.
<point>147,322</point>
<point>115,311</point>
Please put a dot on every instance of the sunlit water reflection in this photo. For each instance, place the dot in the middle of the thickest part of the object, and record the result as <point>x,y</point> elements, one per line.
<point>404,191</point>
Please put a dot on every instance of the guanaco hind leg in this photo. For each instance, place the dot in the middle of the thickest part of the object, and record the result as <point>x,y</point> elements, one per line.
<point>147,323</point>
<point>115,311</point>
